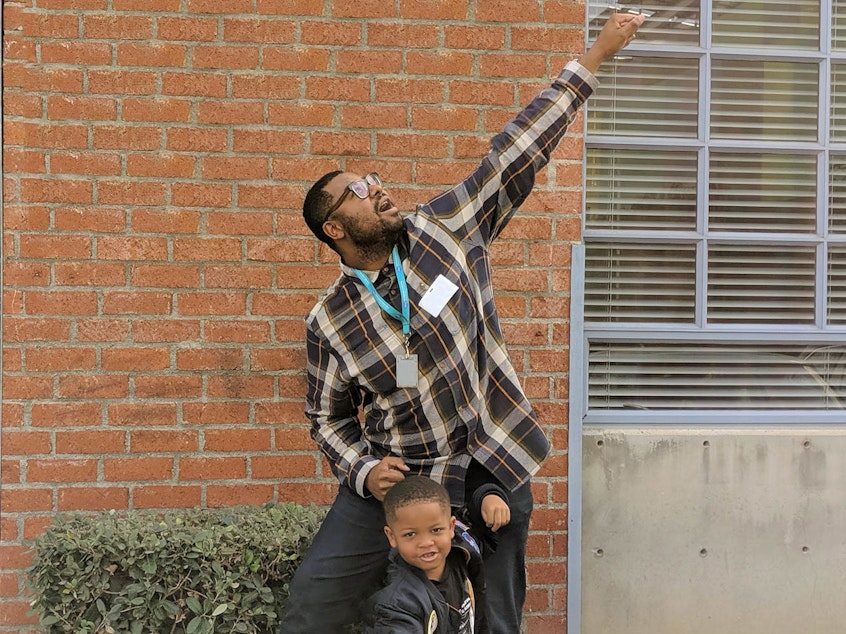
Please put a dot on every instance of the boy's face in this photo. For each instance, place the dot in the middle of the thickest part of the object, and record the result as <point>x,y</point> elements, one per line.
<point>422,533</point>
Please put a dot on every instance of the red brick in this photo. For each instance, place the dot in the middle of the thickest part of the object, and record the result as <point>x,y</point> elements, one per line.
<point>259,30</point>
<point>106,25</point>
<point>157,109</point>
<point>375,61</point>
<point>230,112</point>
<point>206,249</point>
<point>61,470</point>
<point>46,135</point>
<point>375,116</point>
<point>284,466</point>
<point>308,492</point>
<point>125,137</point>
<point>439,64</point>
<point>363,9</point>
<point>61,303</point>
<point>217,495</point>
<point>26,274</point>
<point>94,386</point>
<point>25,443</point>
<point>155,54</point>
<point>189,29</point>
<point>205,195</point>
<point>63,107</point>
<point>276,359</point>
<point>231,440</point>
<point>142,414</point>
<point>290,7</point>
<point>66,414</point>
<point>194,84</point>
<point>55,247</point>
<point>131,248</point>
<point>533,38</point>
<point>280,250</point>
<point>216,412</point>
<point>21,105</point>
<point>134,359</point>
<point>165,221</point>
<point>209,359</point>
<point>445,118</point>
<point>220,6</point>
<point>147,5</point>
<point>98,219</point>
<point>241,387</point>
<point>92,498</point>
<point>507,11</point>
<point>337,89</point>
<point>137,469</point>
<point>238,277</point>
<point>27,217</point>
<point>121,82</point>
<point>33,329</point>
<point>137,302</point>
<point>410,90</point>
<point>18,613</point>
<point>165,331</point>
<point>235,167</point>
<point>279,304</point>
<point>474,36</point>
<point>24,161</point>
<point>294,59</point>
<point>264,86</point>
<point>76,53</point>
<point>91,163</point>
<point>90,442</point>
<point>168,387</point>
<point>148,441</point>
<point>177,496</point>
<point>101,330</point>
<point>286,412</point>
<point>56,358</point>
<point>51,25</point>
<point>27,387</point>
<point>228,57</point>
<point>202,468</point>
<point>73,4</point>
<point>27,500</point>
<point>267,196</point>
<point>197,140</point>
<point>165,275</point>
<point>131,193</point>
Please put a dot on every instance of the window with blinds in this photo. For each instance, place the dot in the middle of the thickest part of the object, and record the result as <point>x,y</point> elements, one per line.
<point>715,210</point>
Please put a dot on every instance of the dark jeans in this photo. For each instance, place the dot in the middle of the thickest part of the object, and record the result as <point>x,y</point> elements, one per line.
<point>349,555</point>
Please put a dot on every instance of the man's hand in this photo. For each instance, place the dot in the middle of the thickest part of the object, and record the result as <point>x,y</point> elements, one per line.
<point>618,31</point>
<point>384,475</point>
<point>495,512</point>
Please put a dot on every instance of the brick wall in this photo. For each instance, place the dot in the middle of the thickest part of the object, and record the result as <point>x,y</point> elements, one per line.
<point>156,267</point>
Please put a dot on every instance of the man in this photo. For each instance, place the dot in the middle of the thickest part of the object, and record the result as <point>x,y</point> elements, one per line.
<point>407,369</point>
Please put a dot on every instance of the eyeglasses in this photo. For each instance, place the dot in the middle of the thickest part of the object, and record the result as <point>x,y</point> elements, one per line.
<point>361,188</point>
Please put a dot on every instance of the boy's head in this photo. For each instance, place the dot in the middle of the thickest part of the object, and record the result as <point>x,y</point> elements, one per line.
<point>420,523</point>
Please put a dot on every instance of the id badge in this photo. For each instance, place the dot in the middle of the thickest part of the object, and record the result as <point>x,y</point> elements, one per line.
<point>407,370</point>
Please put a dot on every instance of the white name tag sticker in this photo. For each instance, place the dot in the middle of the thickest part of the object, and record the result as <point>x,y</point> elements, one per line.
<point>437,296</point>
<point>407,370</point>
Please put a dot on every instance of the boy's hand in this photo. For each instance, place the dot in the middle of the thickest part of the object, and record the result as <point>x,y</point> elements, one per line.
<point>495,512</point>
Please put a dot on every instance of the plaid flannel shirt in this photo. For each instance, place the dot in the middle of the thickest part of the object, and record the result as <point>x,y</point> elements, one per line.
<point>468,402</point>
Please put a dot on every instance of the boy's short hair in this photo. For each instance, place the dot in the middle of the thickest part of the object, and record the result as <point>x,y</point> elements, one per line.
<point>414,490</point>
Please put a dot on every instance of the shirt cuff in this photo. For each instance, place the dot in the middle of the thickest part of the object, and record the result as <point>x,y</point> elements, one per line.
<point>583,82</point>
<point>358,475</point>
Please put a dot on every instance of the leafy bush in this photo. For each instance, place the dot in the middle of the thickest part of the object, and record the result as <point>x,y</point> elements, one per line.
<point>194,571</point>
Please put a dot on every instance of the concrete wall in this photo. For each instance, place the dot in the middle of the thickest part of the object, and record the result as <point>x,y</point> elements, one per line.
<point>736,531</point>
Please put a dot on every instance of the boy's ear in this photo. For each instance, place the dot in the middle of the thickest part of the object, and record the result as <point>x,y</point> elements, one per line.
<point>452,523</point>
<point>390,535</point>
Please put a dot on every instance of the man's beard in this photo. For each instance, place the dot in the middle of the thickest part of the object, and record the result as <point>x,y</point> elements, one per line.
<point>374,241</point>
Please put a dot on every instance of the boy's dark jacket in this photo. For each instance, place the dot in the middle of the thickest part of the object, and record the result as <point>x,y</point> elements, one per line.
<point>405,605</point>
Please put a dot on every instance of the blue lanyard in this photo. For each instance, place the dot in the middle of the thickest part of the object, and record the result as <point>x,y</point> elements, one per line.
<point>384,305</point>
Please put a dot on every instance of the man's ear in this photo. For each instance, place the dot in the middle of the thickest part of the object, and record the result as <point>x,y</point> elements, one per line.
<point>333,230</point>
<point>390,535</point>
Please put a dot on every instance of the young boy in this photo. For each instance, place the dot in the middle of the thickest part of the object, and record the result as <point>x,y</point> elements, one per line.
<point>435,582</point>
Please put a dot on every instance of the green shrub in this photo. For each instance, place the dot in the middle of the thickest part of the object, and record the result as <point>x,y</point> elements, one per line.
<point>194,571</point>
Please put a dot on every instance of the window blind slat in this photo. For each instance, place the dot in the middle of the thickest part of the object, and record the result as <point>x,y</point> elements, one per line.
<point>717,376</point>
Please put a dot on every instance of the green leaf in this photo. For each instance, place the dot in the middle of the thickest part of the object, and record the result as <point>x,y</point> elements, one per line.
<point>194,605</point>
<point>220,609</point>
<point>194,625</point>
